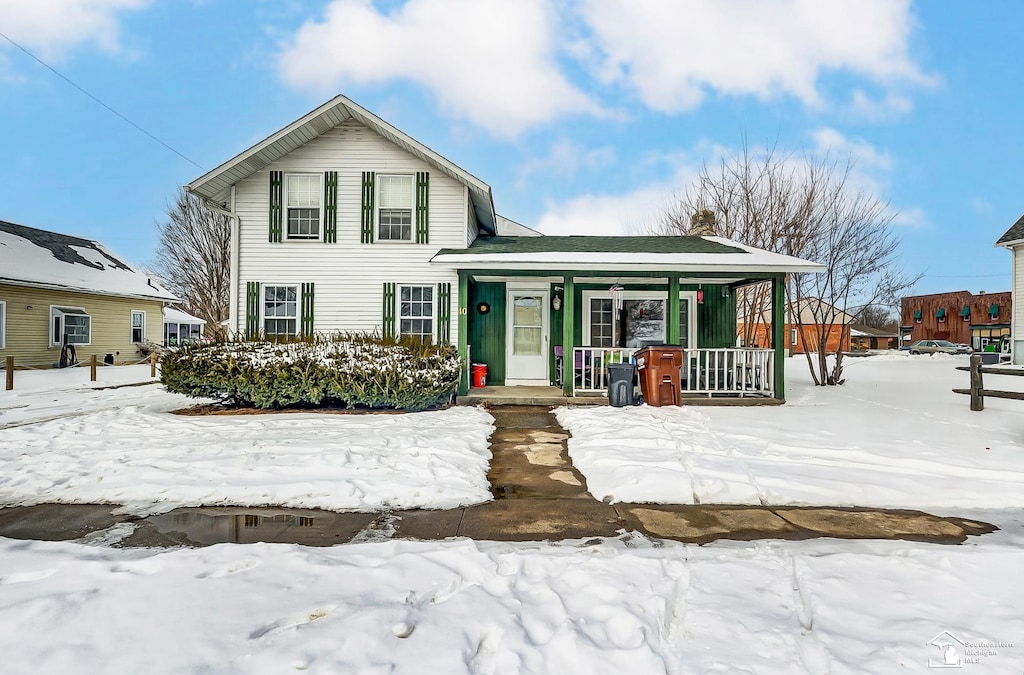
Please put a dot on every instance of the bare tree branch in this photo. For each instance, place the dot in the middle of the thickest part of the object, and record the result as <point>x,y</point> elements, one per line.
<point>193,258</point>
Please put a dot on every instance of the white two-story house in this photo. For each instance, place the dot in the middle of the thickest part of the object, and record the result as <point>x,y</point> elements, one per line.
<point>341,222</point>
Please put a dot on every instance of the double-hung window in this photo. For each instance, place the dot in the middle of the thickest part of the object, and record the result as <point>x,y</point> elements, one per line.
<point>69,325</point>
<point>394,206</point>
<point>280,311</point>
<point>304,199</point>
<point>138,326</point>
<point>416,312</point>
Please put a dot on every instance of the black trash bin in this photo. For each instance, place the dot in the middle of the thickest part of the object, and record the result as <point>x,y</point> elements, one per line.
<point>620,384</point>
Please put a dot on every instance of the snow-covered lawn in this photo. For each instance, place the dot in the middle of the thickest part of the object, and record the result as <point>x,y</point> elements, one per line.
<point>76,444</point>
<point>620,606</point>
<point>893,436</point>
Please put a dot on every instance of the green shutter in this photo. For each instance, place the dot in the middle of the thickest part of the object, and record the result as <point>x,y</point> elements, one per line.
<point>276,203</point>
<point>331,207</point>
<point>422,207</point>
<point>252,310</point>
<point>366,235</point>
<point>306,317</point>
<point>388,321</point>
<point>444,314</point>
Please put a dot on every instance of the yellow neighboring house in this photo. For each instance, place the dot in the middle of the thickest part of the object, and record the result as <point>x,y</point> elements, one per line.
<point>60,291</point>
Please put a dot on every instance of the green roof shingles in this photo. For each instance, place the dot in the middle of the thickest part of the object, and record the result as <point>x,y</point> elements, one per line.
<point>583,244</point>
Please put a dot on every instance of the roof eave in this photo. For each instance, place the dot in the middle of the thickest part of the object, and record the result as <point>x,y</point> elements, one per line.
<point>457,261</point>
<point>90,291</point>
<point>207,186</point>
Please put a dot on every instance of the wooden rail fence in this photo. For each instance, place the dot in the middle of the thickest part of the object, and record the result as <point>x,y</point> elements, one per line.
<point>9,368</point>
<point>977,392</point>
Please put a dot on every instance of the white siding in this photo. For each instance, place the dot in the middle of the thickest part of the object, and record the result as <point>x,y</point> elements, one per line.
<point>1017,313</point>
<point>349,275</point>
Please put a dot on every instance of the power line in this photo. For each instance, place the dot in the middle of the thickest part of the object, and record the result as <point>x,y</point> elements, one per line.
<point>68,80</point>
<point>964,276</point>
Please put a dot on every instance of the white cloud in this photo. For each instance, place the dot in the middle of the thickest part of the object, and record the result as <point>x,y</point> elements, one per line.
<point>674,53</point>
<point>615,214</point>
<point>566,158</point>
<point>488,61</point>
<point>52,28</point>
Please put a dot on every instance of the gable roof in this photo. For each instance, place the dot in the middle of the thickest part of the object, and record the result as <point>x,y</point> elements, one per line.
<point>691,253</point>
<point>31,257</point>
<point>1014,234</point>
<point>215,185</point>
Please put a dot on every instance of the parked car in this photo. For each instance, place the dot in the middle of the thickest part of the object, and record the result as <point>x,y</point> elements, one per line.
<point>938,347</point>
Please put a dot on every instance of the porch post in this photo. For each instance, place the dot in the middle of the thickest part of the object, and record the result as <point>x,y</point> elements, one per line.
<point>568,341</point>
<point>672,329</point>
<point>463,331</point>
<point>779,334</point>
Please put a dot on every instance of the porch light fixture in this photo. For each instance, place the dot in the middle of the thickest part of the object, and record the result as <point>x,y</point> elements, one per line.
<point>556,303</point>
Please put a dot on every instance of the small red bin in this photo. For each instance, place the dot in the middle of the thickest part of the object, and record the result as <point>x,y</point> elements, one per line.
<point>479,374</point>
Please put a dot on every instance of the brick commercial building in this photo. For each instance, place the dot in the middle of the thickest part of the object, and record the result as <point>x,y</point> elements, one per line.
<point>814,320</point>
<point>957,316</point>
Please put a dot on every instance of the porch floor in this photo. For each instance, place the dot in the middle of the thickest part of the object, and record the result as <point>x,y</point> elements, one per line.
<point>553,396</point>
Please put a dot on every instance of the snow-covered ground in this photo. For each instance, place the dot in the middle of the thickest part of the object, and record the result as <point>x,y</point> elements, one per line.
<point>618,606</point>
<point>626,605</point>
<point>894,435</point>
<point>62,440</point>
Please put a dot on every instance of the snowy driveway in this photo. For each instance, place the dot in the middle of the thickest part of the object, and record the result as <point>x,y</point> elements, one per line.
<point>893,436</point>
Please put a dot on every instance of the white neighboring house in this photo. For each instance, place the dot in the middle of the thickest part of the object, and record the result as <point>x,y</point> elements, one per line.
<point>180,326</point>
<point>1013,240</point>
<point>341,222</point>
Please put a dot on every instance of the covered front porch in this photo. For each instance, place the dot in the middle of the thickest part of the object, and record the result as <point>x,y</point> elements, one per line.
<point>564,330</point>
<point>557,311</point>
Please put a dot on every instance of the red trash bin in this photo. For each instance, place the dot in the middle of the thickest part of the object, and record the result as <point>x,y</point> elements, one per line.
<point>479,374</point>
<point>659,369</point>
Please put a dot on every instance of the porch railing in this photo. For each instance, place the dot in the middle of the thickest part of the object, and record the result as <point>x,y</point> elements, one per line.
<point>590,367</point>
<point>735,372</point>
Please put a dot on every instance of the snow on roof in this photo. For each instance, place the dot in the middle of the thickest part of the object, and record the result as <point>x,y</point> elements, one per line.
<point>174,315</point>
<point>709,254</point>
<point>31,257</point>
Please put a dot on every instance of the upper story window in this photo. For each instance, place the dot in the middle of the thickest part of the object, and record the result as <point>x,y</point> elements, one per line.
<point>138,325</point>
<point>394,208</point>
<point>69,325</point>
<point>304,193</point>
<point>280,311</point>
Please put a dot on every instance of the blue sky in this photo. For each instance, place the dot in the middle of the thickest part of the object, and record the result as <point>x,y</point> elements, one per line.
<point>585,116</point>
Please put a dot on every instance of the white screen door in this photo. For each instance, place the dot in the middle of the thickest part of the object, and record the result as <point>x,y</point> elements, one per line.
<point>527,338</point>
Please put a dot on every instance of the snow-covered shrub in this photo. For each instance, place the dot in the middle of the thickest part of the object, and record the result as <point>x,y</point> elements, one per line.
<point>350,370</point>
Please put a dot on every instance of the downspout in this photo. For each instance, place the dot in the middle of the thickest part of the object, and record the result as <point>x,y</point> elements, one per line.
<point>233,266</point>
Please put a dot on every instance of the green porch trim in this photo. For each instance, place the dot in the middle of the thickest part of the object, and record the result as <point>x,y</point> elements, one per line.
<point>568,340</point>
<point>672,327</point>
<point>463,332</point>
<point>778,334</point>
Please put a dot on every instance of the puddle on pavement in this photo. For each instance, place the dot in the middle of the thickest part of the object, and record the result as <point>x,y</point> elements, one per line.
<point>188,527</point>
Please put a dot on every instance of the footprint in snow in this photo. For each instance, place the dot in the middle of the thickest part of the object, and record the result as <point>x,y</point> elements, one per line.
<point>240,566</point>
<point>26,577</point>
<point>292,621</point>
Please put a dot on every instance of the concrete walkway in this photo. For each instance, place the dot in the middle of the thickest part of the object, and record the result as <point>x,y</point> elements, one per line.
<point>538,495</point>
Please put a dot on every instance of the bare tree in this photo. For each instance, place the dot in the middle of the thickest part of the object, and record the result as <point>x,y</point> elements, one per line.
<point>806,207</point>
<point>877,316</point>
<point>193,258</point>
